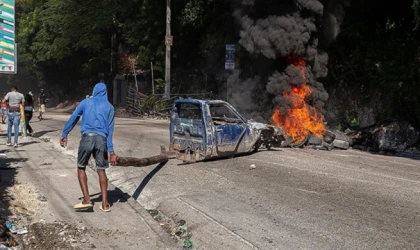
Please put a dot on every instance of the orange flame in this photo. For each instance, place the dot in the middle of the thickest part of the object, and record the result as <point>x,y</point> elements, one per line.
<point>302,119</point>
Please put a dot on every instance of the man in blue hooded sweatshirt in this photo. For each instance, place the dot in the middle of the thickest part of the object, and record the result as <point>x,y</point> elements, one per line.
<point>97,127</point>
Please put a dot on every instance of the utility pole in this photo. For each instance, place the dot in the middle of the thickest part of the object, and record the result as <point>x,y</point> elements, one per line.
<point>133,60</point>
<point>153,78</point>
<point>168,43</point>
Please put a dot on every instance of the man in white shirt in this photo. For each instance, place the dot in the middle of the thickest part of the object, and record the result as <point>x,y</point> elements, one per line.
<point>15,99</point>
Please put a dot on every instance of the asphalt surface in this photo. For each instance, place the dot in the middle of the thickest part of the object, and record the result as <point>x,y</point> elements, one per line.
<point>293,199</point>
<point>37,168</point>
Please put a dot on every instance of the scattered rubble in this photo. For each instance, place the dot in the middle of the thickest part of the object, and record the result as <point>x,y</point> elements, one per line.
<point>177,230</point>
<point>393,137</point>
<point>397,136</point>
<point>56,235</point>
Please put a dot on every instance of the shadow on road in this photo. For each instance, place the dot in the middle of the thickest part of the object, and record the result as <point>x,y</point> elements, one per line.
<point>27,143</point>
<point>146,180</point>
<point>41,133</point>
<point>114,196</point>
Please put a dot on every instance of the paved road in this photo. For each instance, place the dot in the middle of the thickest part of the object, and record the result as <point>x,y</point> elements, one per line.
<point>294,199</point>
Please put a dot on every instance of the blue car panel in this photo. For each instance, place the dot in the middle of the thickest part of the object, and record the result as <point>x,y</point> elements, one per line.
<point>205,129</point>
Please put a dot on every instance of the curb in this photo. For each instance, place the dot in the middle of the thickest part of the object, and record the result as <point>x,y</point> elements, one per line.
<point>147,218</point>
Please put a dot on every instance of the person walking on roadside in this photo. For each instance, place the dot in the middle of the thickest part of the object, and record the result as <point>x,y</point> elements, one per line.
<point>29,111</point>
<point>32,96</point>
<point>3,110</point>
<point>15,100</point>
<point>41,103</point>
<point>97,128</point>
<point>22,123</point>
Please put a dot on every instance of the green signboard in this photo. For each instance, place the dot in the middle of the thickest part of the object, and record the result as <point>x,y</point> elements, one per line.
<point>7,37</point>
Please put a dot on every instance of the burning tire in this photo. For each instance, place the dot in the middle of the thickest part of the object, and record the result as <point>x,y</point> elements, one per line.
<point>314,140</point>
<point>342,137</point>
<point>329,136</point>
<point>299,143</point>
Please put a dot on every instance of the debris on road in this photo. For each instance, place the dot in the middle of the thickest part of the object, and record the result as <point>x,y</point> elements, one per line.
<point>252,166</point>
<point>141,162</point>
<point>393,137</point>
<point>3,247</point>
<point>396,136</point>
<point>163,157</point>
<point>188,244</point>
<point>178,231</point>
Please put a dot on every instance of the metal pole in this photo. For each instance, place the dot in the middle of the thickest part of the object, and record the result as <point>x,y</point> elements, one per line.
<point>135,75</point>
<point>153,78</point>
<point>168,42</point>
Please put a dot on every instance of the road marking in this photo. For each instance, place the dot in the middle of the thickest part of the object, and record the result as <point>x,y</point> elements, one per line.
<point>383,158</point>
<point>360,172</point>
<point>219,224</point>
<point>307,191</point>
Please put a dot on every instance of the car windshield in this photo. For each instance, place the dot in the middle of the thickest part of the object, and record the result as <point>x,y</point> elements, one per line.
<point>188,111</point>
<point>222,114</point>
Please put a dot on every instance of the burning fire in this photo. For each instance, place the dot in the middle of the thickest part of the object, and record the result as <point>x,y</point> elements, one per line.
<point>302,119</point>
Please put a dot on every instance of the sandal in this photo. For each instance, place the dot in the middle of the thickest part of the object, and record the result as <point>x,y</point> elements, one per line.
<point>83,206</point>
<point>105,210</point>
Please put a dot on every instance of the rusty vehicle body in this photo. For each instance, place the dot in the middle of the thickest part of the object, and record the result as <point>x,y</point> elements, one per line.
<point>208,129</point>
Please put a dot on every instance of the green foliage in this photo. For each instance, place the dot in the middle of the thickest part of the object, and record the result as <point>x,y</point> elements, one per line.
<point>416,8</point>
<point>188,244</point>
<point>152,104</point>
<point>159,85</point>
<point>379,56</point>
<point>66,44</point>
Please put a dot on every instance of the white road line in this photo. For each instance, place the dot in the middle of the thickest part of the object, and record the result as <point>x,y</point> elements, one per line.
<point>360,172</point>
<point>307,191</point>
<point>219,224</point>
<point>363,155</point>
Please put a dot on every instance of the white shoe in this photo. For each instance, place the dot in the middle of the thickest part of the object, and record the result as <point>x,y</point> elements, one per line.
<point>9,144</point>
<point>15,145</point>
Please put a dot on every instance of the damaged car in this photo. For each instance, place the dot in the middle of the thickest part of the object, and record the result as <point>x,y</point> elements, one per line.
<point>208,129</point>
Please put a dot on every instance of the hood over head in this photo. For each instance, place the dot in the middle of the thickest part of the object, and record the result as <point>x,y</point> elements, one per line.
<point>100,91</point>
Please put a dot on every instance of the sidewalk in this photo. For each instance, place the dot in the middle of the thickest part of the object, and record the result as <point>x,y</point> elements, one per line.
<point>53,175</point>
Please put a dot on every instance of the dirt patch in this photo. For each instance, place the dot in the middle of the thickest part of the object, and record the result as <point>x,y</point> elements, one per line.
<point>57,235</point>
<point>27,200</point>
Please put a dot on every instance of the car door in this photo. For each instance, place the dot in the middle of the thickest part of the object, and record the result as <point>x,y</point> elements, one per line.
<point>230,128</point>
<point>187,130</point>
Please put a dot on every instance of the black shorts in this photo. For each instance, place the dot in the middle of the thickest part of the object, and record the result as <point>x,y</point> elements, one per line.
<point>96,145</point>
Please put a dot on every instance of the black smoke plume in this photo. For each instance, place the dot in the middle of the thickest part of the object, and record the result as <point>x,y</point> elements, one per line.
<point>272,33</point>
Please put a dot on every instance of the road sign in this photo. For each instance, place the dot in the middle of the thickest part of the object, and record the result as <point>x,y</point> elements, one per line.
<point>8,52</point>
<point>168,40</point>
<point>230,56</point>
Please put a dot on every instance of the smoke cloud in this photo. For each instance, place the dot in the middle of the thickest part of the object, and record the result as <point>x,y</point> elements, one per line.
<point>272,34</point>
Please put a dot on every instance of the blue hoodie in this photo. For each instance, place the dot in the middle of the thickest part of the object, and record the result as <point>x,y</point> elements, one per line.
<point>97,116</point>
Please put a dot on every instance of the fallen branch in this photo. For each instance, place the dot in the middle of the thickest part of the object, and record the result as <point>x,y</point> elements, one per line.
<point>141,162</point>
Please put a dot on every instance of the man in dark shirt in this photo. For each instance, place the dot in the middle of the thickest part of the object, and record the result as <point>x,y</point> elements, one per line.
<point>41,104</point>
